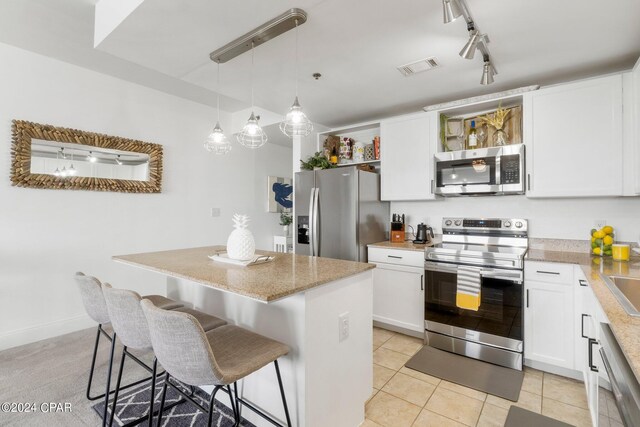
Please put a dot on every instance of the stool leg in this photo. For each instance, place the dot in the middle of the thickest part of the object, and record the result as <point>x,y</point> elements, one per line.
<point>117,390</point>
<point>106,393</point>
<point>164,395</point>
<point>153,390</point>
<point>235,392</point>
<point>93,362</point>
<point>233,406</point>
<point>211,403</point>
<point>284,399</point>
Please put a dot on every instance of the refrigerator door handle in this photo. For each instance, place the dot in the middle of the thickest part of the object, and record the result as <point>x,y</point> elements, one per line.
<point>311,236</point>
<point>316,231</point>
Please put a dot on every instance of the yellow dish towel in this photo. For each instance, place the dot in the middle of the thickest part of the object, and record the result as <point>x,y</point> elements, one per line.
<point>468,288</point>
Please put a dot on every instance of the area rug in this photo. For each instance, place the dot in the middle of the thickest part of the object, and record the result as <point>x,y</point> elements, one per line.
<point>472,373</point>
<point>518,417</point>
<point>134,403</point>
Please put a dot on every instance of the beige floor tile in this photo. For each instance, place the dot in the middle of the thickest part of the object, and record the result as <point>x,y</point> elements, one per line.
<point>564,412</point>
<point>381,375</point>
<point>404,344</point>
<point>373,393</point>
<point>492,416</point>
<point>458,407</point>
<point>369,423</point>
<point>612,409</point>
<point>532,382</point>
<point>564,390</point>
<point>380,336</point>
<point>410,389</point>
<point>533,372</point>
<point>463,390</point>
<point>389,358</point>
<point>390,411</point>
<point>431,419</point>
<point>527,400</point>
<point>419,375</point>
<point>602,402</point>
<point>375,347</point>
<point>603,421</point>
<point>614,423</point>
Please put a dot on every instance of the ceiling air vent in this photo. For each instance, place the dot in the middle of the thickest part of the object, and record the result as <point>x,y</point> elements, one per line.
<point>419,66</point>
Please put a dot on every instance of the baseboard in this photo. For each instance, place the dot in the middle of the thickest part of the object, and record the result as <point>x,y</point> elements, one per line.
<point>546,367</point>
<point>46,330</point>
<point>395,328</point>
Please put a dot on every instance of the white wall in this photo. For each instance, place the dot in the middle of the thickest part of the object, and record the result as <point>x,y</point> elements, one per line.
<point>548,218</point>
<point>47,235</point>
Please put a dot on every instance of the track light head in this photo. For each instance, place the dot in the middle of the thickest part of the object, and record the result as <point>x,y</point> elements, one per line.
<point>469,49</point>
<point>487,74</point>
<point>451,10</point>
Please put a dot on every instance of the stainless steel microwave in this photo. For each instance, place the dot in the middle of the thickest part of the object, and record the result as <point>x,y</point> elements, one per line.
<point>485,171</point>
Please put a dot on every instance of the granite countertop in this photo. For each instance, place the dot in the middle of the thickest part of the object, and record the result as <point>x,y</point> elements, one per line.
<point>404,246</point>
<point>286,275</point>
<point>626,328</point>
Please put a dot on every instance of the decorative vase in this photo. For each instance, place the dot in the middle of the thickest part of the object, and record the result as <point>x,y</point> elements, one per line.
<point>500,138</point>
<point>285,229</point>
<point>240,244</point>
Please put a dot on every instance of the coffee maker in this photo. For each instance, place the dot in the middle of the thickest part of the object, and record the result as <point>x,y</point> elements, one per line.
<point>424,235</point>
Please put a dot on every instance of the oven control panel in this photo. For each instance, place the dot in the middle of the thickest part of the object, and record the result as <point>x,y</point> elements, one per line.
<point>457,225</point>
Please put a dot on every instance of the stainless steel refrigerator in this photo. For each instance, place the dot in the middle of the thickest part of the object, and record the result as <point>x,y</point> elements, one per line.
<point>338,212</point>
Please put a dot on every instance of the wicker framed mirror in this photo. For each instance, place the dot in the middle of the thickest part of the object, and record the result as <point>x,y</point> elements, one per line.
<point>49,157</point>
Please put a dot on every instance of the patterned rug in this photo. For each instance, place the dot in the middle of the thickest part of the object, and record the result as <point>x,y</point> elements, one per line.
<point>134,403</point>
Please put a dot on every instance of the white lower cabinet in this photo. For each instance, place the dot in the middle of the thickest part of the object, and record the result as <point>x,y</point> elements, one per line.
<point>398,294</point>
<point>548,323</point>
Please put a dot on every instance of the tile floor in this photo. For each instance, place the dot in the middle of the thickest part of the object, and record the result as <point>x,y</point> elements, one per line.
<point>404,397</point>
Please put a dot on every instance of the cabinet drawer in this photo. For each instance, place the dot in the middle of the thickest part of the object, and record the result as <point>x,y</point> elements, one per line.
<point>548,272</point>
<point>396,256</point>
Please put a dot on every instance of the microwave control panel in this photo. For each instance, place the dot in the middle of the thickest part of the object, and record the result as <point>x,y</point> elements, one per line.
<point>510,169</point>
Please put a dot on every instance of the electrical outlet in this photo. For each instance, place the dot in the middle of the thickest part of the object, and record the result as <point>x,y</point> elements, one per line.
<point>343,326</point>
<point>599,223</point>
<point>215,212</point>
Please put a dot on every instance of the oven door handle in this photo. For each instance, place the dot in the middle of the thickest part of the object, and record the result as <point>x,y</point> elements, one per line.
<point>515,276</point>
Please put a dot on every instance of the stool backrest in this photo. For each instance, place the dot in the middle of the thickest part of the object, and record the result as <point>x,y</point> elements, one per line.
<point>127,318</point>
<point>91,292</point>
<point>181,346</point>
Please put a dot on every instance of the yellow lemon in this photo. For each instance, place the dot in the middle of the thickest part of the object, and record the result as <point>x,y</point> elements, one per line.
<point>607,229</point>
<point>599,234</point>
<point>593,239</point>
<point>597,251</point>
<point>608,240</point>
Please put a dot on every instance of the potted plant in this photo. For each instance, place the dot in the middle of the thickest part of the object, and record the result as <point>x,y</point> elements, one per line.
<point>285,221</point>
<point>317,161</point>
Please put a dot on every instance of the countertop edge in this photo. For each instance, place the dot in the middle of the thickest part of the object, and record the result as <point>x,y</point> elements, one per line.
<point>276,297</point>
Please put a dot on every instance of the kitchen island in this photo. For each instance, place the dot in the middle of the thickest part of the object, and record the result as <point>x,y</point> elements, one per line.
<point>294,299</point>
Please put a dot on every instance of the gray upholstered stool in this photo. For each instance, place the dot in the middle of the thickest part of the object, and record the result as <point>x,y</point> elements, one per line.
<point>94,304</point>
<point>219,357</point>
<point>130,325</point>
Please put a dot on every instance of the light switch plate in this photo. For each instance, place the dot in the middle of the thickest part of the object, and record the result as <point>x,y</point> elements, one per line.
<point>343,326</point>
<point>215,212</point>
<point>599,223</point>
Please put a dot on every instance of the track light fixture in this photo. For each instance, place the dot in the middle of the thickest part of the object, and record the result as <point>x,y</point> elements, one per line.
<point>469,49</point>
<point>487,73</point>
<point>451,10</point>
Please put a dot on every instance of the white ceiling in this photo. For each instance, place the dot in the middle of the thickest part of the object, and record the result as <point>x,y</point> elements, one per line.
<point>355,44</point>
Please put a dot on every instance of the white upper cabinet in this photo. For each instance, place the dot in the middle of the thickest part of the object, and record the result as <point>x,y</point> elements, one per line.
<point>636,123</point>
<point>573,134</point>
<point>406,156</point>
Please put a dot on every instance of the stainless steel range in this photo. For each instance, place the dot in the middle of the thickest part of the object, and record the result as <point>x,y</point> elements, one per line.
<point>493,333</point>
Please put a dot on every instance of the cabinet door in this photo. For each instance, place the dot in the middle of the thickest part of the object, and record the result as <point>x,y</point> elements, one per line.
<point>406,157</point>
<point>398,296</point>
<point>573,134</point>
<point>549,333</point>
<point>636,124</point>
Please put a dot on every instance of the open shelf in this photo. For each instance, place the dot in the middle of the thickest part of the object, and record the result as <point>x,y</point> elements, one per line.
<point>366,162</point>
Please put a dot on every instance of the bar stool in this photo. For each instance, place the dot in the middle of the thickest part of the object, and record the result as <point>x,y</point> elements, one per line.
<point>130,325</point>
<point>220,357</point>
<point>94,304</point>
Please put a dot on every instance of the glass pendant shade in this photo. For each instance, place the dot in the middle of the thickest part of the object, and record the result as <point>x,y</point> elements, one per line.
<point>217,141</point>
<point>72,171</point>
<point>296,123</point>
<point>252,135</point>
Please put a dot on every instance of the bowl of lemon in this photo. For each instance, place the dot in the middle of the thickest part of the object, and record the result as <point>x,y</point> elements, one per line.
<point>602,241</point>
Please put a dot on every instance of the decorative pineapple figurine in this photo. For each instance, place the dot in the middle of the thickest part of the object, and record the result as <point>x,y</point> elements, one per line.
<point>240,244</point>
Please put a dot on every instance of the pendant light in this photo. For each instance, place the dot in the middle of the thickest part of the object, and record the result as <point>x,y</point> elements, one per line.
<point>487,73</point>
<point>296,122</point>
<point>252,135</point>
<point>57,171</point>
<point>217,142</point>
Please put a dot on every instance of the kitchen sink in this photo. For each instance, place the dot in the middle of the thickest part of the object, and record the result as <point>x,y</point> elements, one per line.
<point>627,291</point>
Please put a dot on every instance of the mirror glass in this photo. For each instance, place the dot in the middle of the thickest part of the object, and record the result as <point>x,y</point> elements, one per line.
<point>61,159</point>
